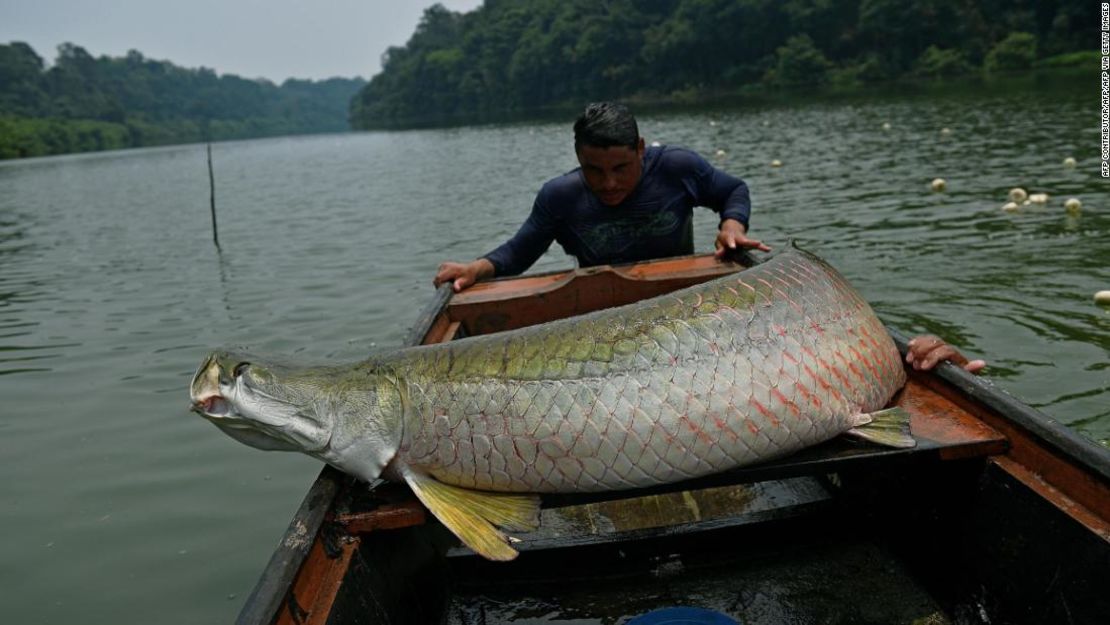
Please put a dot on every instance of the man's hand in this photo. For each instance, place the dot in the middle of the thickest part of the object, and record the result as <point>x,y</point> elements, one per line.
<point>925,351</point>
<point>462,275</point>
<point>733,236</point>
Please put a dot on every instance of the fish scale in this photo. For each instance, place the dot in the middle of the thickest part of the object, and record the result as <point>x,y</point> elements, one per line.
<point>734,371</point>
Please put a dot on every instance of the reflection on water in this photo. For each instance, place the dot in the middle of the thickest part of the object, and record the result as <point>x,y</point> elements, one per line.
<point>111,292</point>
<point>18,288</point>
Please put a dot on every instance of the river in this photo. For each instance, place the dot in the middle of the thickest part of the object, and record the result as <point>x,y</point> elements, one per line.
<point>120,506</point>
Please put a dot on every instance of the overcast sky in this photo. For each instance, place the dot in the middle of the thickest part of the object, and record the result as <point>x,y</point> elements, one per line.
<point>275,39</point>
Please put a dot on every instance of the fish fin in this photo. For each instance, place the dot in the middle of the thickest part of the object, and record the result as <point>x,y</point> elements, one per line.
<point>472,515</point>
<point>890,427</point>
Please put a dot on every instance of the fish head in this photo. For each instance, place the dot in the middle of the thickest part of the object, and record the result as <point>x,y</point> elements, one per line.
<point>252,402</point>
<point>348,417</point>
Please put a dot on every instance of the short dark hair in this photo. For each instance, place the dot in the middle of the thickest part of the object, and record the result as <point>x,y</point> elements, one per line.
<point>606,124</point>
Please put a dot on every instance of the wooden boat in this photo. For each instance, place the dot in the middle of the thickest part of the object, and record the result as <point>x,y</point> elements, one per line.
<point>999,515</point>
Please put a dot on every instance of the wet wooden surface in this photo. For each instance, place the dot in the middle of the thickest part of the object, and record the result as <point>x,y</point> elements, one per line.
<point>661,272</point>
<point>673,513</point>
<point>500,305</point>
<point>937,422</point>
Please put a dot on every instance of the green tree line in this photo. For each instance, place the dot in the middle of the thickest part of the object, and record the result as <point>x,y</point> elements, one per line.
<point>519,55</point>
<point>84,103</point>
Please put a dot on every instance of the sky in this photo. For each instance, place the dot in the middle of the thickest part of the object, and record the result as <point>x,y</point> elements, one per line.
<point>273,39</point>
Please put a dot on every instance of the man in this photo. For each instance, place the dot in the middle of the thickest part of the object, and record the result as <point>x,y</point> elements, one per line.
<point>625,203</point>
<point>628,203</point>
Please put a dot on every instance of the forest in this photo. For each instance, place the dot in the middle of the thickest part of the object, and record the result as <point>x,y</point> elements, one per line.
<point>513,56</point>
<point>83,103</point>
<point>516,58</point>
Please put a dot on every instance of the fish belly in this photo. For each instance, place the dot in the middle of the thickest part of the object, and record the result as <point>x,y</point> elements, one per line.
<point>740,370</point>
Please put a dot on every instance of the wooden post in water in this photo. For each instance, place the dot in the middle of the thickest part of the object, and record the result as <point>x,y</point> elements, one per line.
<point>212,198</point>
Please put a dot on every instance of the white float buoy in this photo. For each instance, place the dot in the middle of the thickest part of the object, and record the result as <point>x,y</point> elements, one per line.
<point>1038,198</point>
<point>721,153</point>
<point>1017,194</point>
<point>1073,205</point>
<point>1102,298</point>
<point>886,125</point>
<point>938,184</point>
<point>776,163</point>
<point>1009,207</point>
<point>945,131</point>
<point>1069,162</point>
<point>656,144</point>
<point>712,123</point>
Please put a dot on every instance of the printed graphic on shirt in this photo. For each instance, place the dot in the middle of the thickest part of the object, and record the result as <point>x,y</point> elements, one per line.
<point>613,238</point>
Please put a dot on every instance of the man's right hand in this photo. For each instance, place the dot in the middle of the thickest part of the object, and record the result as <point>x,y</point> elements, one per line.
<point>733,235</point>
<point>926,351</point>
<point>462,275</point>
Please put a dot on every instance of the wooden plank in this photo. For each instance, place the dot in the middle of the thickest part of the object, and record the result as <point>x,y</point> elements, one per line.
<point>641,518</point>
<point>530,286</point>
<point>1065,475</point>
<point>450,333</point>
<point>510,290</point>
<point>1095,521</point>
<point>429,315</point>
<point>496,307</point>
<point>310,599</point>
<point>385,517</point>
<point>289,556</point>
<point>522,287</point>
<point>938,421</point>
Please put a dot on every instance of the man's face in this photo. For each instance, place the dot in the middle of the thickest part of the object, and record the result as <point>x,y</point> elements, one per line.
<point>611,173</point>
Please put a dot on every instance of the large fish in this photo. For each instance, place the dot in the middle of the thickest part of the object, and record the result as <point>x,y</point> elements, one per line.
<point>739,370</point>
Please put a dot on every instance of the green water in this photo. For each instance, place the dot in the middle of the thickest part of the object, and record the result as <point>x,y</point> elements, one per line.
<point>118,505</point>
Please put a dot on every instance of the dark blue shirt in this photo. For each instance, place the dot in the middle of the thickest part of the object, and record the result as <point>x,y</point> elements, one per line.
<point>654,221</point>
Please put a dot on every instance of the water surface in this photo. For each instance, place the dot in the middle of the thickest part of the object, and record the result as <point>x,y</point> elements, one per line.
<point>121,506</point>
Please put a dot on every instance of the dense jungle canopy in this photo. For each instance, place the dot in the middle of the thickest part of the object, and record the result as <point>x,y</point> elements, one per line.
<point>84,103</point>
<point>519,55</point>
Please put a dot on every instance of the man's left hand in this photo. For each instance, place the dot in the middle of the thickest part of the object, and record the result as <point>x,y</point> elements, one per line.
<point>925,351</point>
<point>733,236</point>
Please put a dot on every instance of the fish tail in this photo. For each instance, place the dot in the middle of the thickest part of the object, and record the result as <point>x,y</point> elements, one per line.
<point>473,515</point>
<point>890,427</point>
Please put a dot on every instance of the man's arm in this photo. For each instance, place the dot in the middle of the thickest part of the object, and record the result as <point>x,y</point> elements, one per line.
<point>515,256</point>
<point>725,194</point>
<point>510,258</point>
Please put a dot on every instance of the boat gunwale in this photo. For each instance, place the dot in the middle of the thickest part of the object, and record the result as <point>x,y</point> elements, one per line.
<point>278,577</point>
<point>1065,441</point>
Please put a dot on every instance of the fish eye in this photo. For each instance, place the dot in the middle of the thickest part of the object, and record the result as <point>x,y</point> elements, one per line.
<point>239,369</point>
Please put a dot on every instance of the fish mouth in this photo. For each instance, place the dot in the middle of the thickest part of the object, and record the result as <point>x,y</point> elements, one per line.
<point>205,391</point>
<point>214,406</point>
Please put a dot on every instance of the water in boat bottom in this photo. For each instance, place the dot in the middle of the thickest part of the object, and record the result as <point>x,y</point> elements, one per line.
<point>843,583</point>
